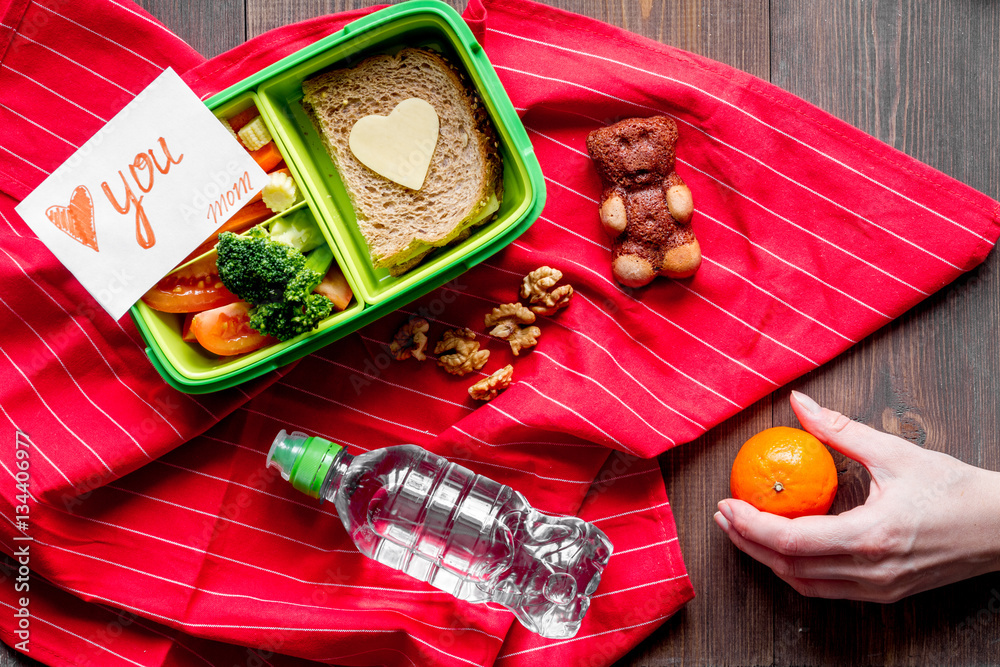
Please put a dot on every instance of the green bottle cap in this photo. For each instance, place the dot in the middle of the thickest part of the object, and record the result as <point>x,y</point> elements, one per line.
<point>302,460</point>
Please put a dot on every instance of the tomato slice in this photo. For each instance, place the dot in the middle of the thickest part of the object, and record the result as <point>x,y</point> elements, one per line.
<point>226,330</point>
<point>335,288</point>
<point>191,289</point>
<point>186,334</point>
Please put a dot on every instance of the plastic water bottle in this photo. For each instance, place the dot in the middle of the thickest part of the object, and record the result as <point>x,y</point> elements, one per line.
<point>465,534</point>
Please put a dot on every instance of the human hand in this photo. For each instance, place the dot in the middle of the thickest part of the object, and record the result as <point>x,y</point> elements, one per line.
<point>929,520</point>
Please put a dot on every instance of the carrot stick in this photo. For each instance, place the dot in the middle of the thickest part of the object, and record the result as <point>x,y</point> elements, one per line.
<point>243,117</point>
<point>250,215</point>
<point>267,156</point>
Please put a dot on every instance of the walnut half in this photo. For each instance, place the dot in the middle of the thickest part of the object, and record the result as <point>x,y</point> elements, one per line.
<point>459,352</point>
<point>506,321</point>
<point>488,388</point>
<point>538,286</point>
<point>410,340</point>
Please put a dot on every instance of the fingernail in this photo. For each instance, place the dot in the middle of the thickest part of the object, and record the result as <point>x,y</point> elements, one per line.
<point>721,521</point>
<point>726,510</point>
<point>810,406</point>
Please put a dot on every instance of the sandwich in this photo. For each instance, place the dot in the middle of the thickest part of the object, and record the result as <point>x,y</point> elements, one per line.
<point>463,186</point>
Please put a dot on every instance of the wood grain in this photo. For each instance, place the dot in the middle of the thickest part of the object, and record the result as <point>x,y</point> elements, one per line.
<point>210,26</point>
<point>921,76</point>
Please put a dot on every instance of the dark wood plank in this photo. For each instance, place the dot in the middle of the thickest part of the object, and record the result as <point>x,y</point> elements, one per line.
<point>11,658</point>
<point>263,15</point>
<point>210,26</point>
<point>730,620</point>
<point>915,75</point>
<point>922,77</point>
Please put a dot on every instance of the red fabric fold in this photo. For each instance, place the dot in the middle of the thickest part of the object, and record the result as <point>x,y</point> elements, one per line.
<point>814,235</point>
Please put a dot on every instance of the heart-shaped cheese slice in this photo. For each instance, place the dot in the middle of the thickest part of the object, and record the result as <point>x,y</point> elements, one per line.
<point>398,146</point>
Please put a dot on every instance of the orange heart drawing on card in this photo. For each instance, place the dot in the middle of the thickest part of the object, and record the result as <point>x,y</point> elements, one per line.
<point>77,219</point>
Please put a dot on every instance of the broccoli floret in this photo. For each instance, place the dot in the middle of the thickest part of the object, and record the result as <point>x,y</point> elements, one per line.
<point>256,268</point>
<point>298,230</point>
<point>288,319</point>
<point>277,279</point>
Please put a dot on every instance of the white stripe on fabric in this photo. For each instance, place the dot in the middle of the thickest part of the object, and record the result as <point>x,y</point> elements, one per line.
<point>807,231</point>
<point>878,312</point>
<point>664,361</point>
<point>760,332</point>
<point>744,111</point>
<point>73,379</point>
<point>641,509</point>
<point>62,97</point>
<point>622,445</point>
<point>576,192</point>
<point>218,517</point>
<point>11,225</point>
<point>81,66</point>
<point>702,213</point>
<point>779,300</point>
<point>146,19</point>
<point>523,472</point>
<point>744,153</point>
<point>286,422</point>
<point>578,638</point>
<point>187,624</point>
<point>96,347</point>
<point>255,598</point>
<point>359,411</point>
<point>93,643</point>
<point>602,480</point>
<point>104,37</point>
<point>61,422</point>
<point>318,508</point>
<point>632,588</point>
<point>371,650</point>
<point>611,394</point>
<point>512,444</point>
<point>581,417</point>
<point>251,565</point>
<point>40,127</point>
<point>393,384</point>
<point>577,234</point>
<point>645,546</point>
<point>24,159</point>
<point>614,360</point>
<point>51,463</point>
<point>669,321</point>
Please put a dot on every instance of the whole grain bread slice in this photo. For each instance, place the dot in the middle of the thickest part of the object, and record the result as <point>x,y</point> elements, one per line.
<point>465,170</point>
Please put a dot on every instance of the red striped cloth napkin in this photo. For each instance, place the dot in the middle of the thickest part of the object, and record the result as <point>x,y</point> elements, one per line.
<point>814,235</point>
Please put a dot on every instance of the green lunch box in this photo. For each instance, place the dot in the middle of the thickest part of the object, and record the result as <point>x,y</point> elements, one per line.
<point>277,93</point>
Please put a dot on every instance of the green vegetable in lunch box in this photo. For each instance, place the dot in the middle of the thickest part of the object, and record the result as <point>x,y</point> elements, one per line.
<point>298,230</point>
<point>277,279</point>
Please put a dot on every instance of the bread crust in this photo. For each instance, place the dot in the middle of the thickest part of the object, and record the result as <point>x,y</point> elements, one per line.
<point>402,225</point>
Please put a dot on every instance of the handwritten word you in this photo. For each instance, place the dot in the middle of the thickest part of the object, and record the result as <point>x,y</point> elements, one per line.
<point>143,170</point>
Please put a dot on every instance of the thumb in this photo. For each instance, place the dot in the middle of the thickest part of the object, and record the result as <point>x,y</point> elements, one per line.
<point>877,451</point>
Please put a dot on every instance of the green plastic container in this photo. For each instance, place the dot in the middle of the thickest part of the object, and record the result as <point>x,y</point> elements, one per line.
<point>277,92</point>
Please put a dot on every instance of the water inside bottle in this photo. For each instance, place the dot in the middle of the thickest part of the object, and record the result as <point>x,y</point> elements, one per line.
<point>463,533</point>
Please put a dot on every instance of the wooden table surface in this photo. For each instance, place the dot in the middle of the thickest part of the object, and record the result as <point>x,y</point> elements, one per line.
<point>924,77</point>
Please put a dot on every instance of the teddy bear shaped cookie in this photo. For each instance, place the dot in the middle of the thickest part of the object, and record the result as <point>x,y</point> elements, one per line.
<point>645,206</point>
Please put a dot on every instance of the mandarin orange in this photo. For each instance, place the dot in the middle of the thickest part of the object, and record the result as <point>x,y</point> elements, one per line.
<point>786,471</point>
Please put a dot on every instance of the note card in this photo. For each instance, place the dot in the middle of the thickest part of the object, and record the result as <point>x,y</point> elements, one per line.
<point>142,193</point>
